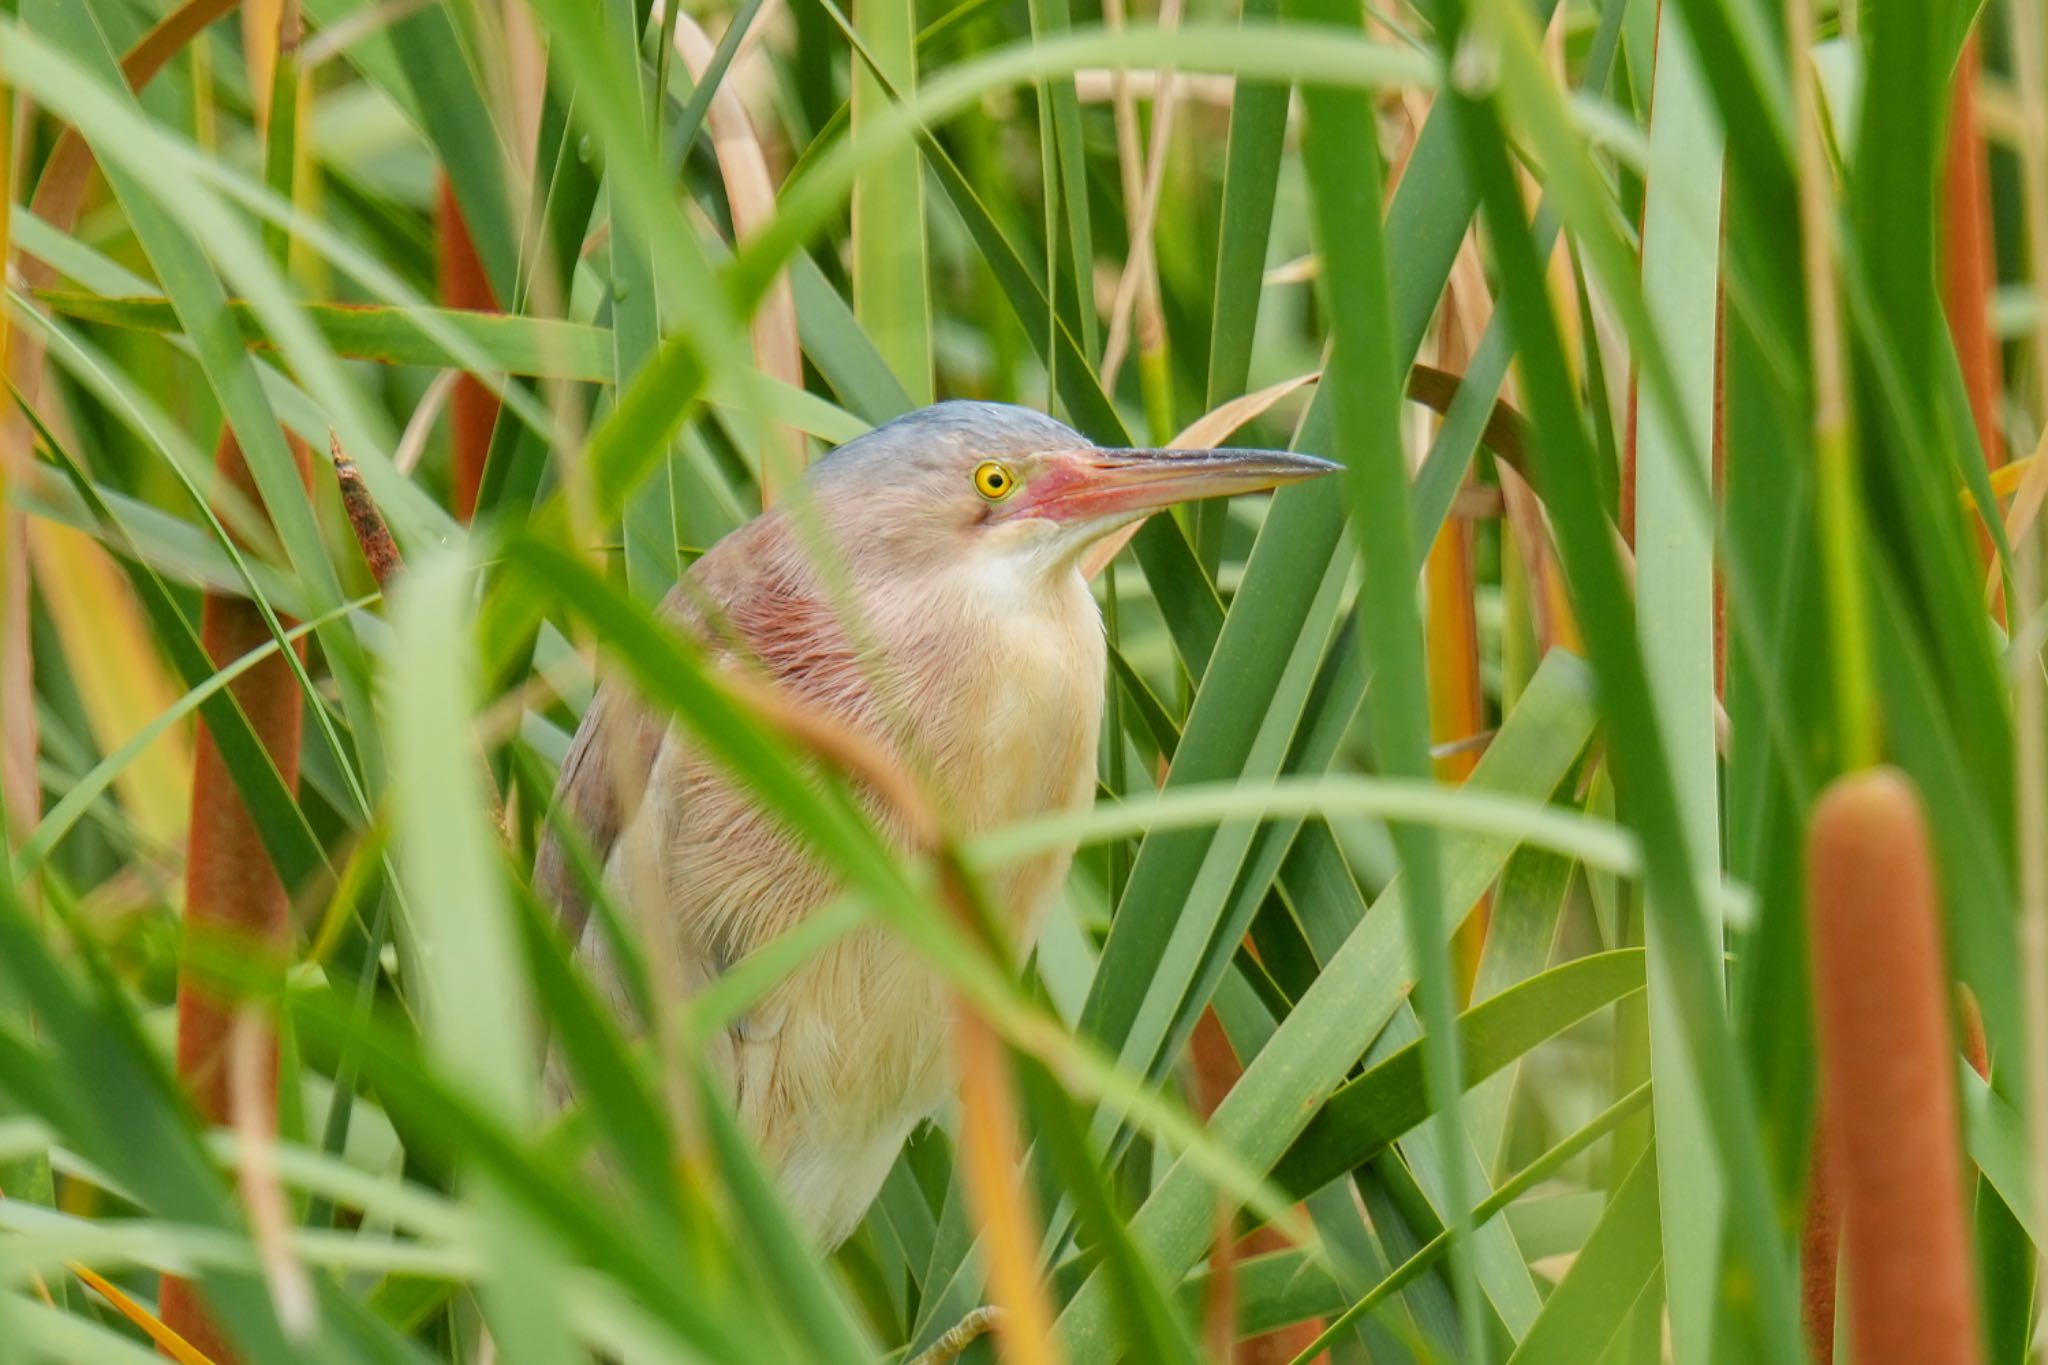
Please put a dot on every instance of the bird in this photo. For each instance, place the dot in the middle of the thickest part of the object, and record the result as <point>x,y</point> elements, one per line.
<point>950,625</point>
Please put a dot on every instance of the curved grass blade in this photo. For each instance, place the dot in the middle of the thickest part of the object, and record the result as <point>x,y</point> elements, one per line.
<point>1340,154</point>
<point>1360,1118</point>
<point>1536,1171</point>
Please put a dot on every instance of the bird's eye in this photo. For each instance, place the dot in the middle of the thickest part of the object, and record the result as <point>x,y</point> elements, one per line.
<point>993,481</point>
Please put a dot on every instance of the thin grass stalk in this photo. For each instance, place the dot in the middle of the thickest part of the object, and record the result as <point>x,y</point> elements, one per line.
<point>750,193</point>
<point>1457,702</point>
<point>1530,524</point>
<point>1457,698</point>
<point>20,793</point>
<point>2030,80</point>
<point>1717,456</point>
<point>2029,37</point>
<point>889,251</point>
<point>2030,726</point>
<point>472,407</point>
<point>1561,270</point>
<point>1527,526</point>
<point>252,1092</point>
<point>1839,510</point>
<point>1130,167</point>
<point>1136,307</point>
<point>260,20</point>
<point>2030,732</point>
<point>1340,154</point>
<point>1888,1073</point>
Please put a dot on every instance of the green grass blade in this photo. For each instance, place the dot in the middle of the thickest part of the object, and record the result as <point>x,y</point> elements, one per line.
<point>1251,177</point>
<point>890,267</point>
<point>1368,380</point>
<point>1364,1115</point>
<point>1618,1264</point>
<point>1675,590</point>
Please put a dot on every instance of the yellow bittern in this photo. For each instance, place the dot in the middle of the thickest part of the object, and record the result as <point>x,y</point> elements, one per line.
<point>949,623</point>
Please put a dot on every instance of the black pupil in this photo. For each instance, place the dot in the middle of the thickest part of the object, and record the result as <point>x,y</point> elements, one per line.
<point>995,478</point>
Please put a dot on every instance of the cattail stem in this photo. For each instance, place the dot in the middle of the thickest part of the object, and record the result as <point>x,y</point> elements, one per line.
<point>233,893</point>
<point>1820,1245</point>
<point>1889,1112</point>
<point>1836,476</point>
<point>1967,274</point>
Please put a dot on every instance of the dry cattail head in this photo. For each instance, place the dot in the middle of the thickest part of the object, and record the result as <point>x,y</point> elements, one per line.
<point>1888,1102</point>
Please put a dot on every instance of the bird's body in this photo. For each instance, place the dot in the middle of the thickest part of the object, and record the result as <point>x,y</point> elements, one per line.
<point>982,675</point>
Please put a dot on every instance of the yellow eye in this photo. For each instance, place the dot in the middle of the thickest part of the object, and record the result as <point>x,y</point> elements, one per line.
<point>993,481</point>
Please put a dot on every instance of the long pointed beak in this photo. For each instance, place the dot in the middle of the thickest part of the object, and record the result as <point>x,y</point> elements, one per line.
<point>1091,485</point>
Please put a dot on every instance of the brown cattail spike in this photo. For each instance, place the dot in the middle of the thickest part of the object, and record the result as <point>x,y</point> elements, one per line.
<point>473,408</point>
<point>1888,1081</point>
<point>373,537</point>
<point>232,890</point>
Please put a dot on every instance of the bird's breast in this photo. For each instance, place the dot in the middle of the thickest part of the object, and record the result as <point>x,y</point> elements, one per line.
<point>1013,716</point>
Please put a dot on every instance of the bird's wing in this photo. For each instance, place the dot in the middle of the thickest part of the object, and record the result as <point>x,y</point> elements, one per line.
<point>613,754</point>
<point>610,757</point>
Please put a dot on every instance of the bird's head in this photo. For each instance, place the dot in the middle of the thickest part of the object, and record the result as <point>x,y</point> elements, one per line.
<point>966,482</point>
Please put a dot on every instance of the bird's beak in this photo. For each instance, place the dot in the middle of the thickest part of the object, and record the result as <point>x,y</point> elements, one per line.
<point>1109,485</point>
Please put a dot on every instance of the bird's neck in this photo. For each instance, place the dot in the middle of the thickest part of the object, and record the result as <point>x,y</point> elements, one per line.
<point>1004,685</point>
